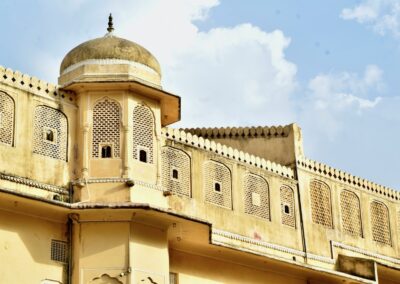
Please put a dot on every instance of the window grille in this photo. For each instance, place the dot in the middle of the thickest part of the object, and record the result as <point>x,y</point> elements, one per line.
<point>287,206</point>
<point>256,192</point>
<point>106,127</point>
<point>59,251</point>
<point>50,119</point>
<point>7,117</point>
<point>351,213</point>
<point>380,223</point>
<point>174,160</point>
<point>143,132</point>
<point>321,204</point>
<point>215,172</point>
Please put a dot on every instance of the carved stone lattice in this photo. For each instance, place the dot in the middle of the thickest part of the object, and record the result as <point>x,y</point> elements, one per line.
<point>143,131</point>
<point>176,171</point>
<point>7,117</point>
<point>47,118</point>
<point>287,207</point>
<point>321,210</point>
<point>351,213</point>
<point>256,193</point>
<point>380,223</point>
<point>218,184</point>
<point>106,127</point>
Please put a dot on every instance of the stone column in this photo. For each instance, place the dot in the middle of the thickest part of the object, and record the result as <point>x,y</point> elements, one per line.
<point>127,135</point>
<point>85,151</point>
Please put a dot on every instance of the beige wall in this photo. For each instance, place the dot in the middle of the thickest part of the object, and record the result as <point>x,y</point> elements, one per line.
<point>25,249</point>
<point>194,269</point>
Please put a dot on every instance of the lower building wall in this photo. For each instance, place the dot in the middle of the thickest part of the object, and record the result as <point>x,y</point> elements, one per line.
<point>25,249</point>
<point>193,269</point>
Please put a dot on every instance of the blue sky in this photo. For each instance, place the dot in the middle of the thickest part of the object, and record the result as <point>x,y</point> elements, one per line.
<point>330,66</point>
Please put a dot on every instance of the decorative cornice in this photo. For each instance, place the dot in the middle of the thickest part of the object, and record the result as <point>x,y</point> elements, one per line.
<point>181,136</point>
<point>339,175</point>
<point>100,180</point>
<point>366,253</point>
<point>321,258</point>
<point>34,85</point>
<point>244,132</point>
<point>267,245</point>
<point>149,185</point>
<point>117,180</point>
<point>34,183</point>
<point>251,241</point>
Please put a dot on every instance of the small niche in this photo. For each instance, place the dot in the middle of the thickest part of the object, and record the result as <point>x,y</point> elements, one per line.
<point>286,209</point>
<point>106,151</point>
<point>217,187</point>
<point>143,156</point>
<point>175,174</point>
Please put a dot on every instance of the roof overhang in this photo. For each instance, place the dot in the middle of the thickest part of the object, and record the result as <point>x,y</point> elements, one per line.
<point>170,104</point>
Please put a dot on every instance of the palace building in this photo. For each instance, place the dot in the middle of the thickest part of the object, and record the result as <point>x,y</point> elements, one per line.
<point>97,186</point>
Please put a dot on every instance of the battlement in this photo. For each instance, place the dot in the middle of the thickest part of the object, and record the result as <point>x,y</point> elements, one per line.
<point>34,85</point>
<point>347,178</point>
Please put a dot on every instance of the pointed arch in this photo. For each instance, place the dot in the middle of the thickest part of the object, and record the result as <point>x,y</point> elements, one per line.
<point>106,130</point>
<point>351,213</point>
<point>50,123</point>
<point>7,119</point>
<point>143,133</point>
<point>218,184</point>
<point>321,208</point>
<point>380,223</point>
<point>176,171</point>
<point>256,191</point>
<point>288,213</point>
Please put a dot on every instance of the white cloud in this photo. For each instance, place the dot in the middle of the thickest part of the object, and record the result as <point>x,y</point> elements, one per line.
<point>236,75</point>
<point>224,72</point>
<point>383,16</point>
<point>362,13</point>
<point>333,97</point>
<point>345,90</point>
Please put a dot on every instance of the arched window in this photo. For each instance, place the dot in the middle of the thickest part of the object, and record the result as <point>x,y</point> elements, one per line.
<point>7,117</point>
<point>176,173</point>
<point>221,194</point>
<point>321,209</point>
<point>143,132</point>
<point>143,156</point>
<point>380,223</point>
<point>287,206</point>
<point>256,192</point>
<point>106,127</point>
<point>50,133</point>
<point>351,213</point>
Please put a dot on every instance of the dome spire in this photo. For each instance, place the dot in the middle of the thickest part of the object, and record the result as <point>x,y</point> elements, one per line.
<point>110,24</point>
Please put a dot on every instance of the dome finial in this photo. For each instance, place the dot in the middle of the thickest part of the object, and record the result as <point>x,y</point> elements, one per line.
<point>110,24</point>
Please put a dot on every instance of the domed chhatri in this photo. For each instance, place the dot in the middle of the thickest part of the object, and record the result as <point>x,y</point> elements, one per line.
<point>110,55</point>
<point>110,47</point>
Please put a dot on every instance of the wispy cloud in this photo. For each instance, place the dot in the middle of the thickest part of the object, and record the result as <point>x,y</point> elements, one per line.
<point>383,16</point>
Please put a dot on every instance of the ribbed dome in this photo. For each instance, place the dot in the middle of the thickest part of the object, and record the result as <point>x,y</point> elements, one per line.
<point>110,47</point>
